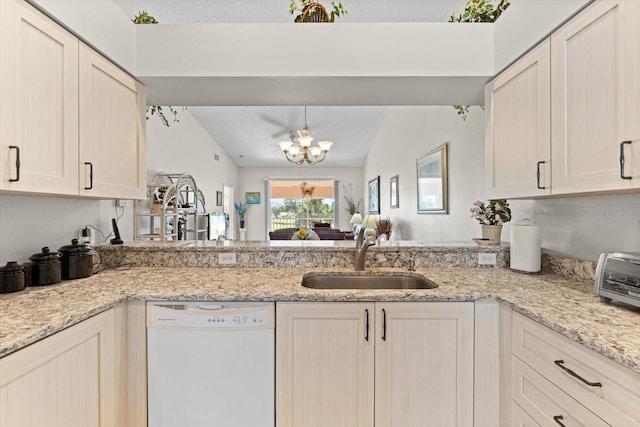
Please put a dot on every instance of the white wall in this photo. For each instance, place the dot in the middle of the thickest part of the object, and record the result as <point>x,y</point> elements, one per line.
<point>254,179</point>
<point>584,227</point>
<point>186,147</point>
<point>28,223</point>
<point>102,23</point>
<point>525,23</point>
<point>410,132</point>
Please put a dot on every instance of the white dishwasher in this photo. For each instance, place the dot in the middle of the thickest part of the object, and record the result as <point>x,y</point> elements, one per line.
<point>211,364</point>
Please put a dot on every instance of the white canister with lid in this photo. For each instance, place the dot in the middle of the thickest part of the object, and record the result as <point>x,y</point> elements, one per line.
<point>526,251</point>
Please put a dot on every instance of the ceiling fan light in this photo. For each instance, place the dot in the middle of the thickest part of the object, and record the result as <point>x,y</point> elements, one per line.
<point>285,145</point>
<point>305,139</point>
<point>315,151</point>
<point>325,145</point>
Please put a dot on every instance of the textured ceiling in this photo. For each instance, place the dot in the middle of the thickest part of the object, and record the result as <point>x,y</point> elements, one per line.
<point>250,135</point>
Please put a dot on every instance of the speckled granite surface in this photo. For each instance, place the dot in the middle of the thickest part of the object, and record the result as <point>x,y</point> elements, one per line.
<point>300,253</point>
<point>566,306</point>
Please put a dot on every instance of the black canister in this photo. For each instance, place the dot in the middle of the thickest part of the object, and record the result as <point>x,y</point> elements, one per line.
<point>45,268</point>
<point>13,277</point>
<point>77,260</point>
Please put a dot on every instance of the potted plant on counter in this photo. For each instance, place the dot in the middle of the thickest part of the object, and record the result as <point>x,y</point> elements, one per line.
<point>491,215</point>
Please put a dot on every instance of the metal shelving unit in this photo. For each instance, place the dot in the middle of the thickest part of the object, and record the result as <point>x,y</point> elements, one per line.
<point>174,210</point>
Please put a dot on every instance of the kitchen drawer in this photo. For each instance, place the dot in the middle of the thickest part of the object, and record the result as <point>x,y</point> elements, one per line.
<point>544,402</point>
<point>616,400</point>
<point>519,418</point>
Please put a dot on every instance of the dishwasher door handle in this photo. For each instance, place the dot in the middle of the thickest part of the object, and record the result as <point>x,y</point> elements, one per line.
<point>210,306</point>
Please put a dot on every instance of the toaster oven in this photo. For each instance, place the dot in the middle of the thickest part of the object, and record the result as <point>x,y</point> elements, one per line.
<point>618,277</point>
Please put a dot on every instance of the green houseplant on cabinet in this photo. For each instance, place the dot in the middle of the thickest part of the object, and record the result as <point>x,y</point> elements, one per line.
<point>478,11</point>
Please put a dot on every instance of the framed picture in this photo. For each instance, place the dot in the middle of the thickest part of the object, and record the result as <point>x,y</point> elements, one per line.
<point>432,181</point>
<point>218,198</point>
<point>252,197</point>
<point>374,195</point>
<point>394,197</point>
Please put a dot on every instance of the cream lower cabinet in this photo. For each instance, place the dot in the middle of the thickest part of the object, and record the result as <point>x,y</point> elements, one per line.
<point>38,102</point>
<point>555,381</point>
<point>422,375</point>
<point>75,378</point>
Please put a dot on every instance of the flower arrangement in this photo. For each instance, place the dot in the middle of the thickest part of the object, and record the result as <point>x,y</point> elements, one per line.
<point>352,206</point>
<point>492,212</point>
<point>305,234</point>
<point>383,226</point>
<point>241,209</point>
<point>301,5</point>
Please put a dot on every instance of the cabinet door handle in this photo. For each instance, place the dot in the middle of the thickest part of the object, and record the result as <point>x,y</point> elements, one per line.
<point>17,178</point>
<point>90,176</point>
<point>557,419</point>
<point>366,326</point>
<point>538,175</point>
<point>384,325</point>
<point>622,144</point>
<point>560,363</point>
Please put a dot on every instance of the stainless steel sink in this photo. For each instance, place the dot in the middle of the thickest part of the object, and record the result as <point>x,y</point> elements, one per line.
<point>366,281</point>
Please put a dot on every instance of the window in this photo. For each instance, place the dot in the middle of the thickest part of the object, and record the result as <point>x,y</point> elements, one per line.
<point>301,203</point>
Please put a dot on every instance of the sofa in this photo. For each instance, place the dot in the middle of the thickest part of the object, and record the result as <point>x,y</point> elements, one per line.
<point>325,233</point>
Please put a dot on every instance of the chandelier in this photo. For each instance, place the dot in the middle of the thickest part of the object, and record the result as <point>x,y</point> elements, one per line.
<point>299,150</point>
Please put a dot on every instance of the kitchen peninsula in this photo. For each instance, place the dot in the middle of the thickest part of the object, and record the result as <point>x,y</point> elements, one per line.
<point>568,307</point>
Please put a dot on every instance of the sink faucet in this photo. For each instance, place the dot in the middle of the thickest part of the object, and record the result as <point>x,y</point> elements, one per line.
<point>361,249</point>
<point>220,240</point>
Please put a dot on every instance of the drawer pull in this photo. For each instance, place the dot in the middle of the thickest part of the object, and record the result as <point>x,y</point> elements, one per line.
<point>557,419</point>
<point>560,363</point>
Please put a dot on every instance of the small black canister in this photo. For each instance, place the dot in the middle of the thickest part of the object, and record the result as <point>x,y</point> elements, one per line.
<point>77,260</point>
<point>12,277</point>
<point>45,268</point>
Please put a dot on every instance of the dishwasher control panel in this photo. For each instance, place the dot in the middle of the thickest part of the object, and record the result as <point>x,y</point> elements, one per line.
<point>210,315</point>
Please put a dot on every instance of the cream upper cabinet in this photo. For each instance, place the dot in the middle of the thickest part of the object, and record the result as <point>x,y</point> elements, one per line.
<point>594,100</point>
<point>112,123</point>
<point>70,379</point>
<point>423,373</point>
<point>38,103</point>
<point>518,128</point>
<point>424,364</point>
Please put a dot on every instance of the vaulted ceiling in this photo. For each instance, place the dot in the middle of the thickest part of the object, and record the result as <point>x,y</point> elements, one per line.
<point>249,134</point>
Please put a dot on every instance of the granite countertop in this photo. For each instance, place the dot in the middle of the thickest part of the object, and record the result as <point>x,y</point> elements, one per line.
<point>569,307</point>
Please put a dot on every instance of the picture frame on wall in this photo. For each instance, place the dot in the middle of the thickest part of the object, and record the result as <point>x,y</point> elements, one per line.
<point>374,195</point>
<point>394,196</point>
<point>252,197</point>
<point>218,198</point>
<point>431,171</point>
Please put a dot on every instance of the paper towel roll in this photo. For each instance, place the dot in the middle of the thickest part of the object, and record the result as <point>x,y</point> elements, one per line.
<point>525,248</point>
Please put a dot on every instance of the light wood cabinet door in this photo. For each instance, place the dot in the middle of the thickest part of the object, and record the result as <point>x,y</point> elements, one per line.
<point>324,365</point>
<point>68,379</point>
<point>424,364</point>
<point>38,102</point>
<point>593,58</point>
<point>112,130</point>
<point>518,128</point>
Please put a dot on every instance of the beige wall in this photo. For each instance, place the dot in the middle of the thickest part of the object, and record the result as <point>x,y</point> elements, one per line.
<point>406,134</point>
